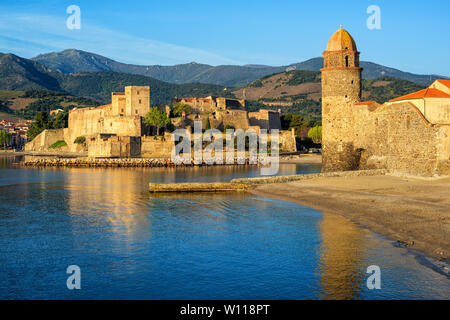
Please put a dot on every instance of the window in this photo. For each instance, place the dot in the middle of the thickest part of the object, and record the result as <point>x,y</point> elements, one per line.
<point>121,110</point>
<point>136,111</point>
<point>346,61</point>
<point>138,92</point>
<point>140,101</point>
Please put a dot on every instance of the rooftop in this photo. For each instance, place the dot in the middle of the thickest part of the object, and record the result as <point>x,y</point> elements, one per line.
<point>365,103</point>
<point>425,93</point>
<point>444,82</point>
<point>341,40</point>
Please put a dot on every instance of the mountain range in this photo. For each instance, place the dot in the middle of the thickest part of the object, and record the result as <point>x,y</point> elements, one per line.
<point>18,73</point>
<point>297,91</point>
<point>71,60</point>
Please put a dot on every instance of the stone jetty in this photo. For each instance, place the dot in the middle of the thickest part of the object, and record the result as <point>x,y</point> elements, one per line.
<point>109,162</point>
<point>197,187</point>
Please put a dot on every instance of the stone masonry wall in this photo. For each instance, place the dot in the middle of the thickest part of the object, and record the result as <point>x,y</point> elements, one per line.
<point>287,141</point>
<point>341,89</point>
<point>398,137</point>
<point>45,139</point>
<point>265,119</point>
<point>157,148</point>
<point>107,146</point>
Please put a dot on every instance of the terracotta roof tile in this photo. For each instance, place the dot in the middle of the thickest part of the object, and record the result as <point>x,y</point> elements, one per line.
<point>104,106</point>
<point>425,93</point>
<point>445,82</point>
<point>365,103</point>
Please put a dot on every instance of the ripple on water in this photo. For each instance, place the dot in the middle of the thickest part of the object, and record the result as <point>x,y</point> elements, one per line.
<point>130,244</point>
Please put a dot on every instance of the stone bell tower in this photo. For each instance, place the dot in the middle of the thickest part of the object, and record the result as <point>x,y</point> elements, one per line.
<point>341,89</point>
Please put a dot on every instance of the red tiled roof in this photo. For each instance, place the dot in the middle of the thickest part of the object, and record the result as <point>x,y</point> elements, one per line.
<point>425,93</point>
<point>104,106</point>
<point>365,103</point>
<point>445,82</point>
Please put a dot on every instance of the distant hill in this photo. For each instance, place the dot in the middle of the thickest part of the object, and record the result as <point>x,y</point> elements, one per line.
<point>72,60</point>
<point>69,61</point>
<point>99,85</point>
<point>18,73</point>
<point>372,71</point>
<point>300,91</point>
<point>26,104</point>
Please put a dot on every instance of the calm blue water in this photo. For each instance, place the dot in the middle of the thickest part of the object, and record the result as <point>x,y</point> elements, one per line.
<point>133,245</point>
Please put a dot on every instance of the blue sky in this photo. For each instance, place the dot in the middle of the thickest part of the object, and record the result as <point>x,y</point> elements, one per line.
<point>414,35</point>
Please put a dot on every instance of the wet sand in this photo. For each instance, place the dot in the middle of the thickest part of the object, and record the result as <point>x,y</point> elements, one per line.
<point>410,209</point>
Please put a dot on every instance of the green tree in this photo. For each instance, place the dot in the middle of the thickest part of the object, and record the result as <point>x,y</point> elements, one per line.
<point>5,137</point>
<point>41,122</point>
<point>60,120</point>
<point>208,124</point>
<point>315,134</point>
<point>179,108</point>
<point>292,120</point>
<point>156,118</point>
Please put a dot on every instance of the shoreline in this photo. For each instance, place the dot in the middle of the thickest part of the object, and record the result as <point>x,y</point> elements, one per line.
<point>70,160</point>
<point>115,163</point>
<point>305,158</point>
<point>412,211</point>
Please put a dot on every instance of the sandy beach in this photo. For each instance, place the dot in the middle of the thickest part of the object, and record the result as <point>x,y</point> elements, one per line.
<point>410,209</point>
<point>307,158</point>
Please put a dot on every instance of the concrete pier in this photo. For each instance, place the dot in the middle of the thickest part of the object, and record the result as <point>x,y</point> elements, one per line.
<point>245,184</point>
<point>197,187</point>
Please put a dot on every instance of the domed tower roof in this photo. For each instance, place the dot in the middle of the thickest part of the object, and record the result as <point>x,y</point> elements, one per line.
<point>341,40</point>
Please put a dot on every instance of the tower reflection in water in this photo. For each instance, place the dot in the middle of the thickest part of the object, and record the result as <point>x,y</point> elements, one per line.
<point>341,255</point>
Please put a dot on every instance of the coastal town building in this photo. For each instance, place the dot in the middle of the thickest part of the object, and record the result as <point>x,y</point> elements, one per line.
<point>409,134</point>
<point>18,132</point>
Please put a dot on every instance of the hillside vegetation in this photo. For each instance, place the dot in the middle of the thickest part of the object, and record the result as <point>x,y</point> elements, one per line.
<point>36,101</point>
<point>99,85</point>
<point>22,74</point>
<point>300,92</point>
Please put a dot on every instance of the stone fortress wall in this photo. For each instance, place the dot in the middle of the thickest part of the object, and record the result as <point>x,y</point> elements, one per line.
<point>101,125</point>
<point>224,112</point>
<point>410,134</point>
<point>399,137</point>
<point>211,104</point>
<point>116,129</point>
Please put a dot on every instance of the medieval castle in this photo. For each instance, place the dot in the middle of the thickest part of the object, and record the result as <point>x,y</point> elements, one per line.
<point>410,134</point>
<point>116,130</point>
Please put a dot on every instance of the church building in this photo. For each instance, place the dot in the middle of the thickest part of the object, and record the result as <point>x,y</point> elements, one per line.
<point>409,134</point>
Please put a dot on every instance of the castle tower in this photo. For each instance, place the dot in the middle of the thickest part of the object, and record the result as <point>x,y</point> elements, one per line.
<point>137,100</point>
<point>341,89</point>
